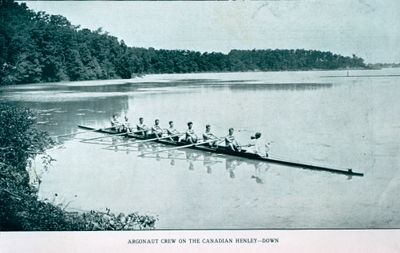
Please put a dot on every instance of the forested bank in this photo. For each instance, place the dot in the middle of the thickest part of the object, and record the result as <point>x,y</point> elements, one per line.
<point>20,209</point>
<point>37,47</point>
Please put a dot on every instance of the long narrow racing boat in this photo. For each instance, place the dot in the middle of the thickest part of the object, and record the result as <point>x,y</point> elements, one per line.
<point>224,150</point>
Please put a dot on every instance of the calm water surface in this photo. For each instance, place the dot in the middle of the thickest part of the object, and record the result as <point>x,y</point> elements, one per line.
<point>312,117</point>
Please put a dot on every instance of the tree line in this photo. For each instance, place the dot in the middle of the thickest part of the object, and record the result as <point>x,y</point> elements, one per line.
<point>37,47</point>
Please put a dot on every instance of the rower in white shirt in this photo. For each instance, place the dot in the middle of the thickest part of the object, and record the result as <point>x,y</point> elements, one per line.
<point>126,126</point>
<point>208,136</point>
<point>115,124</point>
<point>144,130</point>
<point>230,141</point>
<point>190,135</point>
<point>171,131</point>
<point>156,129</point>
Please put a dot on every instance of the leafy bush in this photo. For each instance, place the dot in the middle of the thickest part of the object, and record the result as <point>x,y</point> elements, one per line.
<point>20,208</point>
<point>109,221</point>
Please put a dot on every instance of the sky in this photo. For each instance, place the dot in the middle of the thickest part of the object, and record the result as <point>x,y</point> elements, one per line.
<point>368,28</point>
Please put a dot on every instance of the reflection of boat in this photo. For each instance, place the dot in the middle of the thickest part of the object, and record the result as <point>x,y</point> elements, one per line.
<point>209,159</point>
<point>226,151</point>
<point>190,156</point>
<point>231,164</point>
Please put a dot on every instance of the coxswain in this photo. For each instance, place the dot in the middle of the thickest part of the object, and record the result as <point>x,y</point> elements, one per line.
<point>171,130</point>
<point>231,142</point>
<point>115,125</point>
<point>156,129</point>
<point>142,128</point>
<point>258,146</point>
<point>208,136</point>
<point>190,135</point>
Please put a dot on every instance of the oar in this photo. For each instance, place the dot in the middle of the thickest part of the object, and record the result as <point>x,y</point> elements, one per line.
<point>118,149</point>
<point>159,138</point>
<point>121,144</point>
<point>245,130</point>
<point>109,134</point>
<point>147,140</point>
<point>82,132</point>
<point>180,159</point>
<point>102,137</point>
<point>180,147</point>
<point>128,134</point>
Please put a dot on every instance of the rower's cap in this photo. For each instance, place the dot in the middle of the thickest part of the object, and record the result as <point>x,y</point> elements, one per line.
<point>258,135</point>
<point>170,122</point>
<point>208,125</point>
<point>190,123</point>
<point>231,129</point>
<point>140,118</point>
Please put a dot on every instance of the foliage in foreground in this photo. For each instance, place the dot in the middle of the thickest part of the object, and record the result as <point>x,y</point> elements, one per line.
<point>20,208</point>
<point>37,47</point>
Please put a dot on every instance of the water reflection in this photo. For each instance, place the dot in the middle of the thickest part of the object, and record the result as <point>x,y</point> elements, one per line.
<point>191,156</point>
<point>62,117</point>
<point>207,160</point>
<point>279,86</point>
<point>260,168</point>
<point>231,164</point>
<point>194,158</point>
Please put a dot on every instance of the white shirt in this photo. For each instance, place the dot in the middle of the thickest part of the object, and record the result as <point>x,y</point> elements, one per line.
<point>259,147</point>
<point>172,131</point>
<point>157,129</point>
<point>141,126</point>
<point>126,123</point>
<point>114,122</point>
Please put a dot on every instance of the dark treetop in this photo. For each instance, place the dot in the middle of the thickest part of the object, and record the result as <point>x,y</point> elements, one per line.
<point>37,47</point>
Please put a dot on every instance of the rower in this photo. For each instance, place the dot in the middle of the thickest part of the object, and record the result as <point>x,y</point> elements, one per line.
<point>115,123</point>
<point>190,135</point>
<point>207,135</point>
<point>231,142</point>
<point>171,130</point>
<point>126,126</point>
<point>258,146</point>
<point>144,130</point>
<point>156,129</point>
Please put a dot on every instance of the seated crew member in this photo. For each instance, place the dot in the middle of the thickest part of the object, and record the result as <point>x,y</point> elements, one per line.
<point>207,135</point>
<point>156,129</point>
<point>258,145</point>
<point>171,130</point>
<point>190,135</point>
<point>126,126</point>
<point>115,125</point>
<point>142,128</point>
<point>231,142</point>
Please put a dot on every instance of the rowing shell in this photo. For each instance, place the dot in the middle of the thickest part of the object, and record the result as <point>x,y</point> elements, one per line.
<point>226,151</point>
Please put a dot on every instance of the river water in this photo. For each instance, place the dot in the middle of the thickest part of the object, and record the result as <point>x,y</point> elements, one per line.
<point>337,119</point>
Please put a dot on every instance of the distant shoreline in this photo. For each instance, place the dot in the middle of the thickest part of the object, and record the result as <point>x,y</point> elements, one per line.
<point>361,76</point>
<point>137,79</point>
